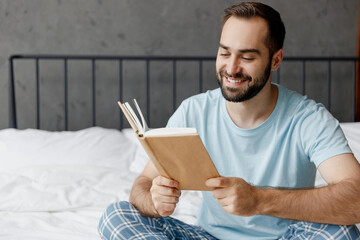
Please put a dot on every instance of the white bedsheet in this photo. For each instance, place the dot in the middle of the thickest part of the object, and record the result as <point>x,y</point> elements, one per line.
<point>66,202</point>
<point>75,224</point>
<point>56,185</point>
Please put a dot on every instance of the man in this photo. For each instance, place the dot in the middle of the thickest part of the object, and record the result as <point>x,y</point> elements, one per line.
<point>266,142</point>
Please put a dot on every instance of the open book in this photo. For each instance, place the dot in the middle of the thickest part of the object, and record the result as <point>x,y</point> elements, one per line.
<point>177,153</point>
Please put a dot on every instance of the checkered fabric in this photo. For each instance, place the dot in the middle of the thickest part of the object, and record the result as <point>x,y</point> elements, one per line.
<point>122,221</point>
<point>317,231</point>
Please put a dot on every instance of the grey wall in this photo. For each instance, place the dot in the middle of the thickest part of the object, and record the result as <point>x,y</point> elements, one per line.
<point>155,27</point>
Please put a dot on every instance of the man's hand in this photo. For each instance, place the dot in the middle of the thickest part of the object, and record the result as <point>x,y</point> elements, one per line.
<point>235,195</point>
<point>165,195</point>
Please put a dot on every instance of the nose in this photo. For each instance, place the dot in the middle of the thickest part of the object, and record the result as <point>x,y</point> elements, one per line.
<point>233,67</point>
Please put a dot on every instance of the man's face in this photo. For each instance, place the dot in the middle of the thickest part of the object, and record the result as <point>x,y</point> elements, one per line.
<point>243,65</point>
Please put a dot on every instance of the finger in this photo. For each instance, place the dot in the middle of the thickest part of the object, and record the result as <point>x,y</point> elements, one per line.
<point>218,182</point>
<point>164,209</point>
<point>165,191</point>
<point>223,201</point>
<point>228,208</point>
<point>220,193</point>
<point>165,199</point>
<point>163,181</point>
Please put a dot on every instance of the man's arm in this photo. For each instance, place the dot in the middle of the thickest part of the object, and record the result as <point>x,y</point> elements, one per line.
<point>337,203</point>
<point>153,195</point>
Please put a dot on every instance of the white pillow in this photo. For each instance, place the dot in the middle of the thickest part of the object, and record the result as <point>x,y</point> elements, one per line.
<point>93,146</point>
<point>352,134</point>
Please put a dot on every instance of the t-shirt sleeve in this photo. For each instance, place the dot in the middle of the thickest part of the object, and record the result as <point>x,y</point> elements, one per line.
<point>321,135</point>
<point>177,120</point>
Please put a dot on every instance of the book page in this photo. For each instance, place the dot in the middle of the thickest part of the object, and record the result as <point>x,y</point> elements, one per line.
<point>144,125</point>
<point>158,132</point>
<point>134,117</point>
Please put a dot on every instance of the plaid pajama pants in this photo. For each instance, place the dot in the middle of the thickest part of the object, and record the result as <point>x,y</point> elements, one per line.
<point>122,221</point>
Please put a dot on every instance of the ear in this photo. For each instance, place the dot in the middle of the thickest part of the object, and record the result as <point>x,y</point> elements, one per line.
<point>277,59</point>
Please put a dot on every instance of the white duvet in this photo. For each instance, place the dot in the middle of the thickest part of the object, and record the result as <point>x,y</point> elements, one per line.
<point>55,185</point>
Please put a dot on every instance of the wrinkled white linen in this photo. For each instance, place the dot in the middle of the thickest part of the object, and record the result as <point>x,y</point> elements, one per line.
<point>77,224</point>
<point>59,188</point>
<point>66,202</point>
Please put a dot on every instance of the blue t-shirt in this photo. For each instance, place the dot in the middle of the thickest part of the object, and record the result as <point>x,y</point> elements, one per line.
<point>282,152</point>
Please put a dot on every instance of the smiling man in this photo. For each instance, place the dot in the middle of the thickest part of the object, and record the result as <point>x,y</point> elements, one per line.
<point>266,142</point>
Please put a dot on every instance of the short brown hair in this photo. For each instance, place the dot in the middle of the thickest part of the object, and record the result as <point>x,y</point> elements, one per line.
<point>276,35</point>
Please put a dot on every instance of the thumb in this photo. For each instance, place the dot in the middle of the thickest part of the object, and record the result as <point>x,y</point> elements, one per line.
<point>219,182</point>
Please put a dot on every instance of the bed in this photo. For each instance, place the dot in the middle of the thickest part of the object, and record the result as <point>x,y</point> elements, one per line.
<point>55,184</point>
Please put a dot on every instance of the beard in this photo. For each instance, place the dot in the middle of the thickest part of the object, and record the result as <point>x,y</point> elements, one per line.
<point>239,95</point>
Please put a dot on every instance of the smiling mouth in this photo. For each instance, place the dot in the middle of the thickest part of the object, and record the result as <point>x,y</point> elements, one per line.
<point>235,80</point>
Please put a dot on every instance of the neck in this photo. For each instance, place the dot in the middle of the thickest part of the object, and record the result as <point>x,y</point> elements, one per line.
<point>250,114</point>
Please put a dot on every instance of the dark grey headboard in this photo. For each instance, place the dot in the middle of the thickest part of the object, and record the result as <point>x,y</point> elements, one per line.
<point>314,76</point>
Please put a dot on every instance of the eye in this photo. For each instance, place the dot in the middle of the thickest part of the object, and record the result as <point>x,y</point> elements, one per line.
<point>248,59</point>
<point>224,54</point>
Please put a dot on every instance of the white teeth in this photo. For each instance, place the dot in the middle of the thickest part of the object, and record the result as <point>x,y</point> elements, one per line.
<point>235,81</point>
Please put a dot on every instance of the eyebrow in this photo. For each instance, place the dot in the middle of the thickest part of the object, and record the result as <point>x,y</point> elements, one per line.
<point>247,50</point>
